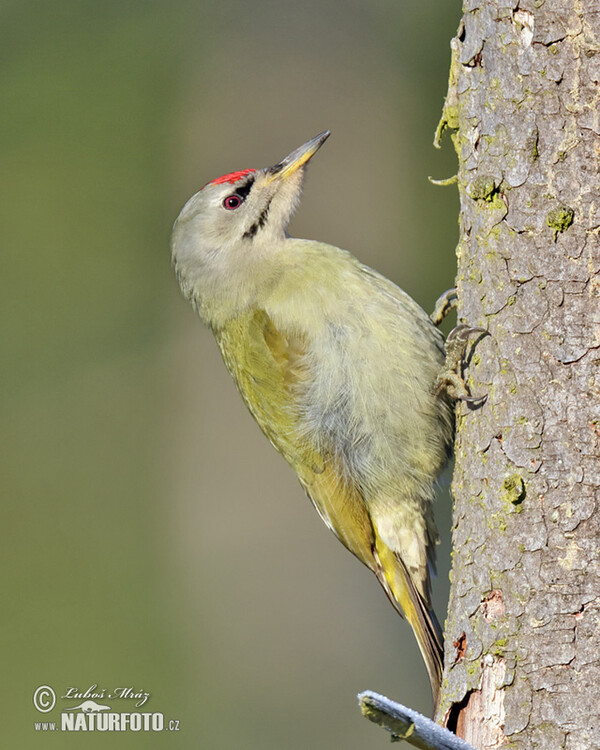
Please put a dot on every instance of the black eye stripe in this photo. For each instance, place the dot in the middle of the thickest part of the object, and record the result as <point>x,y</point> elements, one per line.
<point>245,189</point>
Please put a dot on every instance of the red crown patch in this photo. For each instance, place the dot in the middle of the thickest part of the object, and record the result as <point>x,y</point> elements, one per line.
<point>231,177</point>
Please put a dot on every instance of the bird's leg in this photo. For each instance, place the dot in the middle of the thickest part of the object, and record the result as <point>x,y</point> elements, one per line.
<point>447,302</point>
<point>450,378</point>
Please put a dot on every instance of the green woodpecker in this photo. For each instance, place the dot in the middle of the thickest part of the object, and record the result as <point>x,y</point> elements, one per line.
<point>337,365</point>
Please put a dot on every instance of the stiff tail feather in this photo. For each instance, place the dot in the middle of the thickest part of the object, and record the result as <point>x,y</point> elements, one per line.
<point>406,598</point>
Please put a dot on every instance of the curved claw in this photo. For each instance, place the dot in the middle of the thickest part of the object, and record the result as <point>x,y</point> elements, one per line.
<point>462,333</point>
<point>474,400</point>
<point>450,378</point>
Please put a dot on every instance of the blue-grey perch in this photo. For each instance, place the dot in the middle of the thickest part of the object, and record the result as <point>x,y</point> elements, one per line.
<point>406,724</point>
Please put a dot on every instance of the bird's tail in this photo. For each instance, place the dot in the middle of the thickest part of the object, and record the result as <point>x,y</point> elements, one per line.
<point>407,599</point>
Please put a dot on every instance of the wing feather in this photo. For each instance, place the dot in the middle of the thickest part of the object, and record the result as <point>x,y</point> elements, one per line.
<point>270,370</point>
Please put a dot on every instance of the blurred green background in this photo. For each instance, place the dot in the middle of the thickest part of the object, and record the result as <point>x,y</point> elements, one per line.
<point>151,537</point>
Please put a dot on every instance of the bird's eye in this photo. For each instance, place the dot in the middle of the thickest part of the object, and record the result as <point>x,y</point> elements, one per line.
<point>232,202</point>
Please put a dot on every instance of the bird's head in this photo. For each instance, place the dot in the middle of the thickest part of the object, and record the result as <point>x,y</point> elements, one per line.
<point>235,222</point>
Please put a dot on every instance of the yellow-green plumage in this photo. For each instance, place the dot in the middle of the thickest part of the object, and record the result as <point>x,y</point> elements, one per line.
<point>328,384</point>
<point>337,365</point>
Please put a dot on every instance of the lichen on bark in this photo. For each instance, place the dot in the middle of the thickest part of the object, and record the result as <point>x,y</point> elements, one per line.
<point>523,627</point>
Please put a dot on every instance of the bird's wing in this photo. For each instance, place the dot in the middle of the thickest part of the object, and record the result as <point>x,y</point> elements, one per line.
<point>270,369</point>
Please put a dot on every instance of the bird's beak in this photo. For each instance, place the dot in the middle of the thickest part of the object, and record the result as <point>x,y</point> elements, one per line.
<point>297,159</point>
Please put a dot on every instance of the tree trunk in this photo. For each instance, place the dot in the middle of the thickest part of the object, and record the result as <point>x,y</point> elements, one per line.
<point>523,631</point>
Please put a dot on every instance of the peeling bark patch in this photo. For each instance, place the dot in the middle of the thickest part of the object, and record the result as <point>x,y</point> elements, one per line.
<point>525,23</point>
<point>479,717</point>
<point>460,644</point>
<point>493,606</point>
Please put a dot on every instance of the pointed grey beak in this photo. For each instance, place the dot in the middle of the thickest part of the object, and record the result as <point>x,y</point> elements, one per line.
<point>298,157</point>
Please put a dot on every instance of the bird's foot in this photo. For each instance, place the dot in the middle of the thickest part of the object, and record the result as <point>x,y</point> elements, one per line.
<point>450,380</point>
<point>447,302</point>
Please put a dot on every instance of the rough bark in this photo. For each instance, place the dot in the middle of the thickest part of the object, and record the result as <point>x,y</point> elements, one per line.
<point>523,631</point>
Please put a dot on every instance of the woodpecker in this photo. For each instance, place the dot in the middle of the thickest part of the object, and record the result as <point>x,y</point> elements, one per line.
<point>337,365</point>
